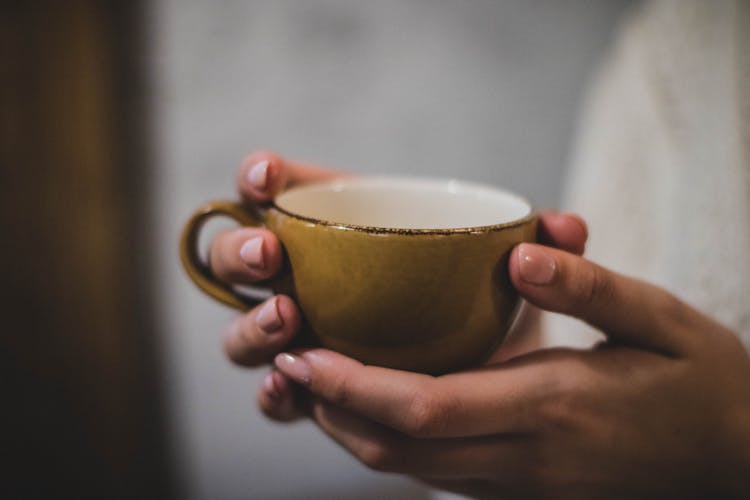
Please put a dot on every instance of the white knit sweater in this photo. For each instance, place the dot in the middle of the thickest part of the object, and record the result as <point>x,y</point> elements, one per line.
<point>662,170</point>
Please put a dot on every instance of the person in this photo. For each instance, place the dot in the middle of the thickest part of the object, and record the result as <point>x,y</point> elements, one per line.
<point>657,403</point>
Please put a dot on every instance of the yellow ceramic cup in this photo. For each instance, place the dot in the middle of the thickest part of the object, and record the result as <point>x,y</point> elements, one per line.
<point>398,272</point>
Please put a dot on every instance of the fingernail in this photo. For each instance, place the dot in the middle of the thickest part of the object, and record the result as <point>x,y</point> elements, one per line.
<point>257,176</point>
<point>251,253</point>
<point>536,265</point>
<point>269,386</point>
<point>294,367</point>
<point>268,318</point>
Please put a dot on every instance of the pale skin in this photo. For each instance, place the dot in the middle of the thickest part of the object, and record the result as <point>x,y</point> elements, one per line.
<point>661,409</point>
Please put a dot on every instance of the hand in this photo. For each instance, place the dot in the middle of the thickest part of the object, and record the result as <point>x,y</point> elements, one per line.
<point>661,410</point>
<point>248,255</point>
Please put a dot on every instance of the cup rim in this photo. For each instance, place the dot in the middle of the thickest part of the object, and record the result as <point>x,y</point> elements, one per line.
<point>408,231</point>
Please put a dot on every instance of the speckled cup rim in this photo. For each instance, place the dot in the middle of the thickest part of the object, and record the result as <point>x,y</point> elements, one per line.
<point>409,231</point>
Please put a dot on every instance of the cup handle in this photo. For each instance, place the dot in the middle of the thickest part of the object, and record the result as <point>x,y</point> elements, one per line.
<point>199,271</point>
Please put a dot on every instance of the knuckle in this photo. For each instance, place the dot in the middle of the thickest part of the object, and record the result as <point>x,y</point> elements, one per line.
<point>249,331</point>
<point>376,455</point>
<point>243,342</point>
<point>232,353</point>
<point>220,239</point>
<point>219,260</point>
<point>243,356</point>
<point>598,287</point>
<point>216,251</point>
<point>670,314</point>
<point>672,310</point>
<point>238,356</point>
<point>564,409</point>
<point>424,418</point>
<point>340,394</point>
<point>559,414</point>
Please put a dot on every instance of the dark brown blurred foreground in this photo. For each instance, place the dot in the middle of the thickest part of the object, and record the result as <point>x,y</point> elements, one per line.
<point>81,415</point>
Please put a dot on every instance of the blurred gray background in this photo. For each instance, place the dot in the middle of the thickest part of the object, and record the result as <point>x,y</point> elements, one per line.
<point>474,89</point>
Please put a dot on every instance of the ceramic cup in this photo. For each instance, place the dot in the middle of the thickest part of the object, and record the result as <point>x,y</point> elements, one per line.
<point>398,272</point>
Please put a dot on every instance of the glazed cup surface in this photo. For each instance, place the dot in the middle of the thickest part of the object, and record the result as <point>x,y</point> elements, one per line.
<point>403,273</point>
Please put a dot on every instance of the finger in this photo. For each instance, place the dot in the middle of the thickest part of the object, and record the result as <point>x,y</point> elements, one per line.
<point>500,399</point>
<point>263,174</point>
<point>565,231</point>
<point>257,336</point>
<point>385,450</point>
<point>277,399</point>
<point>245,255</point>
<point>627,310</point>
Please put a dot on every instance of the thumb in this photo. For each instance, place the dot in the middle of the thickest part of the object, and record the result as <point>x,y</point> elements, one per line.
<point>625,309</point>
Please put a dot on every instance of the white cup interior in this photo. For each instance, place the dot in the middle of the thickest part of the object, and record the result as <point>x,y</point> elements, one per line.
<point>404,203</point>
